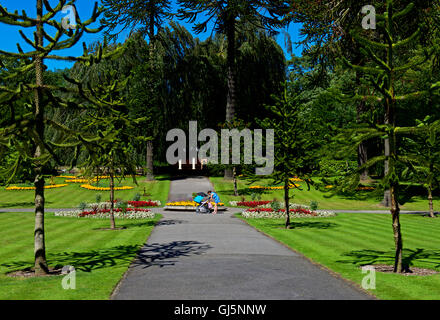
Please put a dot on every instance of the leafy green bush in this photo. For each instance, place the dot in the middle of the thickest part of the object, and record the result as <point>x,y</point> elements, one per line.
<point>98,198</point>
<point>82,206</point>
<point>275,205</point>
<point>137,197</point>
<point>123,205</point>
<point>314,205</point>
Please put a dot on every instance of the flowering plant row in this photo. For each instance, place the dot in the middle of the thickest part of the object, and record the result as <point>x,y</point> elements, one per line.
<point>274,188</point>
<point>265,204</point>
<point>90,187</point>
<point>129,213</point>
<point>52,186</point>
<point>294,213</point>
<point>140,204</point>
<point>249,204</point>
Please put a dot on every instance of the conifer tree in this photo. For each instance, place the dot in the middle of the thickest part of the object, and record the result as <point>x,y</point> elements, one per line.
<point>26,131</point>
<point>389,64</point>
<point>114,149</point>
<point>292,143</point>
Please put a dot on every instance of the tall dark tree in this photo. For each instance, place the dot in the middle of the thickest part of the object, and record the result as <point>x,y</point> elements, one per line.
<point>147,18</point>
<point>227,16</point>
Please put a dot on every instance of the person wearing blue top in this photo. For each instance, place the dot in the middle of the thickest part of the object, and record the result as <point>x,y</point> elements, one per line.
<point>214,197</point>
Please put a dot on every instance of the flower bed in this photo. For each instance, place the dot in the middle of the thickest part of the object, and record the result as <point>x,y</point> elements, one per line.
<point>294,213</point>
<point>52,186</point>
<point>249,204</point>
<point>129,213</point>
<point>140,204</point>
<point>273,188</point>
<point>90,187</point>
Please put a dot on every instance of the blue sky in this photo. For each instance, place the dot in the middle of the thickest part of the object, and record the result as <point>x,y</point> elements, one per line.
<point>10,37</point>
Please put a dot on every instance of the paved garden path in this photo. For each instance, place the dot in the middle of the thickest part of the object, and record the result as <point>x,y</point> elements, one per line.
<point>219,257</point>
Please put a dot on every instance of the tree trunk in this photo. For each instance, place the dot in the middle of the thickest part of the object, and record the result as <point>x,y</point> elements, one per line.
<point>234,173</point>
<point>431,204</point>
<point>286,203</point>
<point>362,159</point>
<point>231,74</point>
<point>150,167</point>
<point>386,202</point>
<point>112,200</point>
<point>395,212</point>
<point>41,267</point>
<point>150,146</point>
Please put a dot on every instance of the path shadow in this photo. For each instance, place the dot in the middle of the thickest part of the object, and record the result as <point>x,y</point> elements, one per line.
<point>410,256</point>
<point>166,254</point>
<point>83,261</point>
<point>170,222</point>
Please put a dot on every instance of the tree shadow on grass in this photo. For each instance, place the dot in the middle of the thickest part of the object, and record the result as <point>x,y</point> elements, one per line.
<point>313,225</point>
<point>304,225</point>
<point>137,224</point>
<point>7,205</point>
<point>410,257</point>
<point>149,255</point>
<point>83,261</point>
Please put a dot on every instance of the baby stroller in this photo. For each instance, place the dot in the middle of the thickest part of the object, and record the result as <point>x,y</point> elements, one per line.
<point>203,200</point>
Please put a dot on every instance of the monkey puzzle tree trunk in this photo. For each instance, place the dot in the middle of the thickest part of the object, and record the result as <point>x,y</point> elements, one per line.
<point>41,267</point>
<point>431,204</point>
<point>231,74</point>
<point>112,199</point>
<point>386,202</point>
<point>286,203</point>
<point>150,167</point>
<point>395,212</point>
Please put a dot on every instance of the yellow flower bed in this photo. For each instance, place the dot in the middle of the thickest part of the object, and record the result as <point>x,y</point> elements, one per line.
<point>296,179</point>
<point>89,187</point>
<point>81,180</point>
<point>53,186</point>
<point>275,188</point>
<point>189,204</point>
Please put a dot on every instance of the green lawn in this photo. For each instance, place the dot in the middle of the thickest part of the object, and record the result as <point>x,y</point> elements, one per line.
<point>225,190</point>
<point>100,257</point>
<point>71,195</point>
<point>348,241</point>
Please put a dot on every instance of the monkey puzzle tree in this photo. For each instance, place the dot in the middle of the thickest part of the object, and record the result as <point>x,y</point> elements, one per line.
<point>26,132</point>
<point>226,17</point>
<point>422,158</point>
<point>293,145</point>
<point>109,120</point>
<point>389,64</point>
